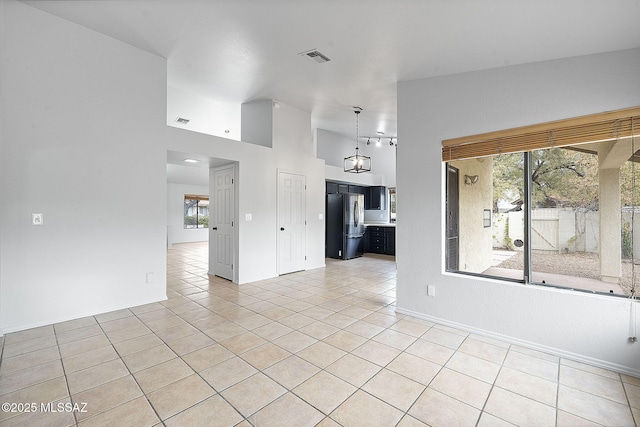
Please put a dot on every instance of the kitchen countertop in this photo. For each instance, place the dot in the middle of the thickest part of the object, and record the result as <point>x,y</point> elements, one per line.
<point>386,224</point>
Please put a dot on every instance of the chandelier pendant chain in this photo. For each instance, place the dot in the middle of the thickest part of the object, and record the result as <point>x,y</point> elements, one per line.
<point>357,131</point>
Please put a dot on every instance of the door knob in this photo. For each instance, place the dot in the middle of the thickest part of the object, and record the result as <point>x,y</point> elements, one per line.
<point>281,228</point>
<point>214,228</point>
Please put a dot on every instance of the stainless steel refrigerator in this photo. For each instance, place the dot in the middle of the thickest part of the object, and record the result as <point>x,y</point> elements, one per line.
<point>344,225</point>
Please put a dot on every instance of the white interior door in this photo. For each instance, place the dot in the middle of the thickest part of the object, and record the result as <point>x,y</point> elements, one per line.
<point>221,234</point>
<point>291,222</point>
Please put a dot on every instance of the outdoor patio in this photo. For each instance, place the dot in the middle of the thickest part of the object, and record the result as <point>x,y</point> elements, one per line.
<point>506,264</point>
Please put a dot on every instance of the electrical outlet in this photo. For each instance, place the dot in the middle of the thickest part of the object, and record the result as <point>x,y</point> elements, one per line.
<point>248,217</point>
<point>150,277</point>
<point>320,216</point>
<point>431,290</point>
<point>37,219</point>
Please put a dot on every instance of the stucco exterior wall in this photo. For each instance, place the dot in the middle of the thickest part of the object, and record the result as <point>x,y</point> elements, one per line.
<point>475,240</point>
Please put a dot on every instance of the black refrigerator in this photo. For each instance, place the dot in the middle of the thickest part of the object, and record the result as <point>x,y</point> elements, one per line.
<point>345,225</point>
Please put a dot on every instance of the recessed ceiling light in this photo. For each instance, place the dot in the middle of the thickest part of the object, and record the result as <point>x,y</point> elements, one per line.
<point>181,120</point>
<point>191,161</point>
<point>316,56</point>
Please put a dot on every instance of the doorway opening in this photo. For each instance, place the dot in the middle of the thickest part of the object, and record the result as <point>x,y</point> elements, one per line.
<point>191,174</point>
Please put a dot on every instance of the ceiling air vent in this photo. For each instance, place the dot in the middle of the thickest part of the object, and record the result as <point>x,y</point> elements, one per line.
<point>315,56</point>
<point>181,120</point>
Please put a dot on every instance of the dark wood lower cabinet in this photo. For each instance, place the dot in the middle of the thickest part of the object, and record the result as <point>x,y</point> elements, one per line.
<point>380,240</point>
<point>390,248</point>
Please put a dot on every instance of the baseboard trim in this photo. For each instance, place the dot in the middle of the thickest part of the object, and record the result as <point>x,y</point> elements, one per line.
<point>528,344</point>
<point>38,324</point>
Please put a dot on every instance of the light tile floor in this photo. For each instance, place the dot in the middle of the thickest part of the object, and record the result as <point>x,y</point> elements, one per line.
<point>322,347</point>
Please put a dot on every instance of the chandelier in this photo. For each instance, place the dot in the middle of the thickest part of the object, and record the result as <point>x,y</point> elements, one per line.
<point>357,163</point>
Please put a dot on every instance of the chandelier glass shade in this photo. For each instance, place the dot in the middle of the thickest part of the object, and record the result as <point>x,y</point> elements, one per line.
<point>357,163</point>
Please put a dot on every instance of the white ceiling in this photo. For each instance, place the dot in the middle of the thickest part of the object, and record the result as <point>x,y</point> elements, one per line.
<point>234,51</point>
<point>196,173</point>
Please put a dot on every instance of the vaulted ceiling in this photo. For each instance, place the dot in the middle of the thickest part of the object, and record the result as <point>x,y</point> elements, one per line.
<point>234,51</point>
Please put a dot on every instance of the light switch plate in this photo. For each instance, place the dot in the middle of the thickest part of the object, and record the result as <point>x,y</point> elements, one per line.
<point>320,216</point>
<point>37,219</point>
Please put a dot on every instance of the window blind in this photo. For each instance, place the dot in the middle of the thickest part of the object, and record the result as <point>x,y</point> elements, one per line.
<point>195,197</point>
<point>561,133</point>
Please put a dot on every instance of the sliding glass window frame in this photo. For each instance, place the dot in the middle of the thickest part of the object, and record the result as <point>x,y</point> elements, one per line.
<point>529,277</point>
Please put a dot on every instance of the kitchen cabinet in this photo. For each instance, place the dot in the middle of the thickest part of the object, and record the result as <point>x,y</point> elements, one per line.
<point>333,187</point>
<point>366,239</point>
<point>380,240</point>
<point>375,198</point>
<point>357,189</point>
<point>390,243</point>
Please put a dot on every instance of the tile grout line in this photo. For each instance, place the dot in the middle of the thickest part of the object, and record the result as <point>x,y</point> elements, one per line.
<point>626,395</point>
<point>493,386</point>
<point>217,392</point>
<point>136,315</point>
<point>356,297</point>
<point>128,370</point>
<point>64,373</point>
<point>321,369</point>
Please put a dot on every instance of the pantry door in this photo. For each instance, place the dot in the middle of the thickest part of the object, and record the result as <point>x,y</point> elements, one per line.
<point>292,222</point>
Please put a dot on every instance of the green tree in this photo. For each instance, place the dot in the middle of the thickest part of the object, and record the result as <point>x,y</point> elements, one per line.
<point>560,178</point>
<point>203,221</point>
<point>564,178</point>
<point>508,178</point>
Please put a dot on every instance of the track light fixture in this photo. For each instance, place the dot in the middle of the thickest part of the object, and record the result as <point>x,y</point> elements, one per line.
<point>393,141</point>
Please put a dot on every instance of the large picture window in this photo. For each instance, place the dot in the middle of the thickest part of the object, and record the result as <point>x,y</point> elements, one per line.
<point>196,211</point>
<point>564,204</point>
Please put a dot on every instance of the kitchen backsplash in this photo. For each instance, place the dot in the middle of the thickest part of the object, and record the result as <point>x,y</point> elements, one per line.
<point>376,216</point>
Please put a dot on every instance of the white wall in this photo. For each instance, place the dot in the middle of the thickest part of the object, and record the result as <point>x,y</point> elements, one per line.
<point>2,151</point>
<point>205,115</point>
<point>334,147</point>
<point>85,142</point>
<point>73,102</point>
<point>257,184</point>
<point>175,214</point>
<point>592,328</point>
<point>294,152</point>
<point>257,122</point>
